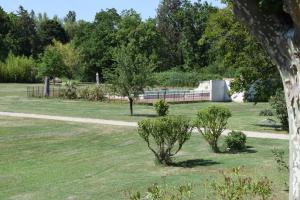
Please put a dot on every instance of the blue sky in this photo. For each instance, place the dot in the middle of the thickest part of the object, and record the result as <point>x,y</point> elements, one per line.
<point>85,9</point>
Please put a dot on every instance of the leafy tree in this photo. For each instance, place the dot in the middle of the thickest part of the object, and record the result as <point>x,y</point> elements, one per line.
<point>52,63</point>
<point>279,105</point>
<point>211,122</point>
<point>132,73</point>
<point>70,24</point>
<point>50,30</point>
<point>5,26</point>
<point>276,24</point>
<point>168,134</point>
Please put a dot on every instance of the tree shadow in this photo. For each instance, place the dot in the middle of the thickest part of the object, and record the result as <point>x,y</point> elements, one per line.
<point>194,163</point>
<point>248,149</point>
<point>275,127</point>
<point>145,115</point>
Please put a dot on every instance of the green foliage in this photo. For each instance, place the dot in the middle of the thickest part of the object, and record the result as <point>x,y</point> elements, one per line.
<point>278,103</point>
<point>18,69</point>
<point>161,107</point>
<point>238,187</point>
<point>52,63</point>
<point>266,112</point>
<point>182,79</point>
<point>211,122</point>
<point>164,192</point>
<point>236,141</point>
<point>282,165</point>
<point>69,90</point>
<point>95,93</point>
<point>168,135</point>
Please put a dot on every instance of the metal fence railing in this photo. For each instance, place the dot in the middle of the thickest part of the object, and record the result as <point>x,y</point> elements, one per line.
<point>148,97</point>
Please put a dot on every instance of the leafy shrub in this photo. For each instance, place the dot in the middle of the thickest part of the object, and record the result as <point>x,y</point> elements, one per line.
<point>211,122</point>
<point>164,192</point>
<point>161,107</point>
<point>181,79</point>
<point>168,134</point>
<point>278,103</point>
<point>236,141</point>
<point>69,90</point>
<point>19,69</point>
<point>282,165</point>
<point>95,93</point>
<point>238,187</point>
<point>266,112</point>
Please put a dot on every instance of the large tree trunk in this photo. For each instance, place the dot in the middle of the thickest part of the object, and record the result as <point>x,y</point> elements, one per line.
<point>279,34</point>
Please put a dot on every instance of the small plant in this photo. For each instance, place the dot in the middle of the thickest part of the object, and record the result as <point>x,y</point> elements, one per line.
<point>236,141</point>
<point>211,122</point>
<point>69,89</point>
<point>164,192</point>
<point>161,107</point>
<point>282,165</point>
<point>95,93</point>
<point>266,112</point>
<point>168,135</point>
<point>278,103</point>
<point>238,187</point>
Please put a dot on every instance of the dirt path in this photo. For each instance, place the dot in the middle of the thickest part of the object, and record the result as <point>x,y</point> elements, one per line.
<point>123,123</point>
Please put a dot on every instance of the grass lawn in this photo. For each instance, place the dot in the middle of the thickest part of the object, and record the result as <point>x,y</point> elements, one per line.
<point>13,98</point>
<point>55,160</point>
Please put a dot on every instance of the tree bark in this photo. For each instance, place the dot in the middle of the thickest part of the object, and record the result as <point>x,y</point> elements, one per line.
<point>279,34</point>
<point>46,87</point>
<point>131,105</point>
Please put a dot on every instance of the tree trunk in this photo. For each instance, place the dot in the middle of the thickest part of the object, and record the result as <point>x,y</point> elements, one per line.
<point>279,34</point>
<point>46,87</point>
<point>131,105</point>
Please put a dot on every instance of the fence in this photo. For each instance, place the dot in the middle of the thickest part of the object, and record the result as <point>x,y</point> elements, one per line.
<point>148,97</point>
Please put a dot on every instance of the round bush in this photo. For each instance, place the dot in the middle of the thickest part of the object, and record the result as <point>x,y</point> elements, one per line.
<point>161,107</point>
<point>236,141</point>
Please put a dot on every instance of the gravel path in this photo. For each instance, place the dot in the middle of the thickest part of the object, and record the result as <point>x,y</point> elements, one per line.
<point>130,124</point>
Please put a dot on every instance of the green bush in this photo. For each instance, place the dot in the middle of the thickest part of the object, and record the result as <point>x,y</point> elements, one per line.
<point>69,90</point>
<point>211,122</point>
<point>94,93</point>
<point>18,69</point>
<point>266,112</point>
<point>161,107</point>
<point>236,141</point>
<point>238,187</point>
<point>182,79</point>
<point>168,134</point>
<point>278,103</point>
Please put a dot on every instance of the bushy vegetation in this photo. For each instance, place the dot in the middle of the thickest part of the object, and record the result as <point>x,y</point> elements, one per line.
<point>165,136</point>
<point>278,103</point>
<point>69,90</point>
<point>18,69</point>
<point>266,112</point>
<point>161,107</point>
<point>236,141</point>
<point>240,187</point>
<point>211,122</point>
<point>182,79</point>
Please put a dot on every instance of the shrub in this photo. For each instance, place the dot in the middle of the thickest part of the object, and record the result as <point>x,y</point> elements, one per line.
<point>238,187</point>
<point>95,93</point>
<point>282,165</point>
<point>19,69</point>
<point>161,107</point>
<point>166,133</point>
<point>69,90</point>
<point>164,192</point>
<point>266,112</point>
<point>236,141</point>
<point>211,122</point>
<point>278,103</point>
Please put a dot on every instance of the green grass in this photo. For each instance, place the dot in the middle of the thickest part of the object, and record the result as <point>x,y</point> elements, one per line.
<point>56,160</point>
<point>13,98</point>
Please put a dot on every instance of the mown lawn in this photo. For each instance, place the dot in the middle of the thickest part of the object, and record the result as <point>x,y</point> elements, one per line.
<point>55,160</point>
<point>13,98</point>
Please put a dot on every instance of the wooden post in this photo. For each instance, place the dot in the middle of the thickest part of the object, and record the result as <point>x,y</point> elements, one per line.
<point>46,87</point>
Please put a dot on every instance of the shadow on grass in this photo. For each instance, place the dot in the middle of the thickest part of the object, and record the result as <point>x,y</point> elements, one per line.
<point>274,127</point>
<point>249,149</point>
<point>195,163</point>
<point>145,115</point>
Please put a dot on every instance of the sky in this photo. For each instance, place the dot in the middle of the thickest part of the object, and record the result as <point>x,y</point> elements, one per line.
<point>86,9</point>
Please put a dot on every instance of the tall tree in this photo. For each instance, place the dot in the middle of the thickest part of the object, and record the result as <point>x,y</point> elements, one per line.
<point>132,73</point>
<point>70,24</point>
<point>276,24</point>
<point>5,25</point>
